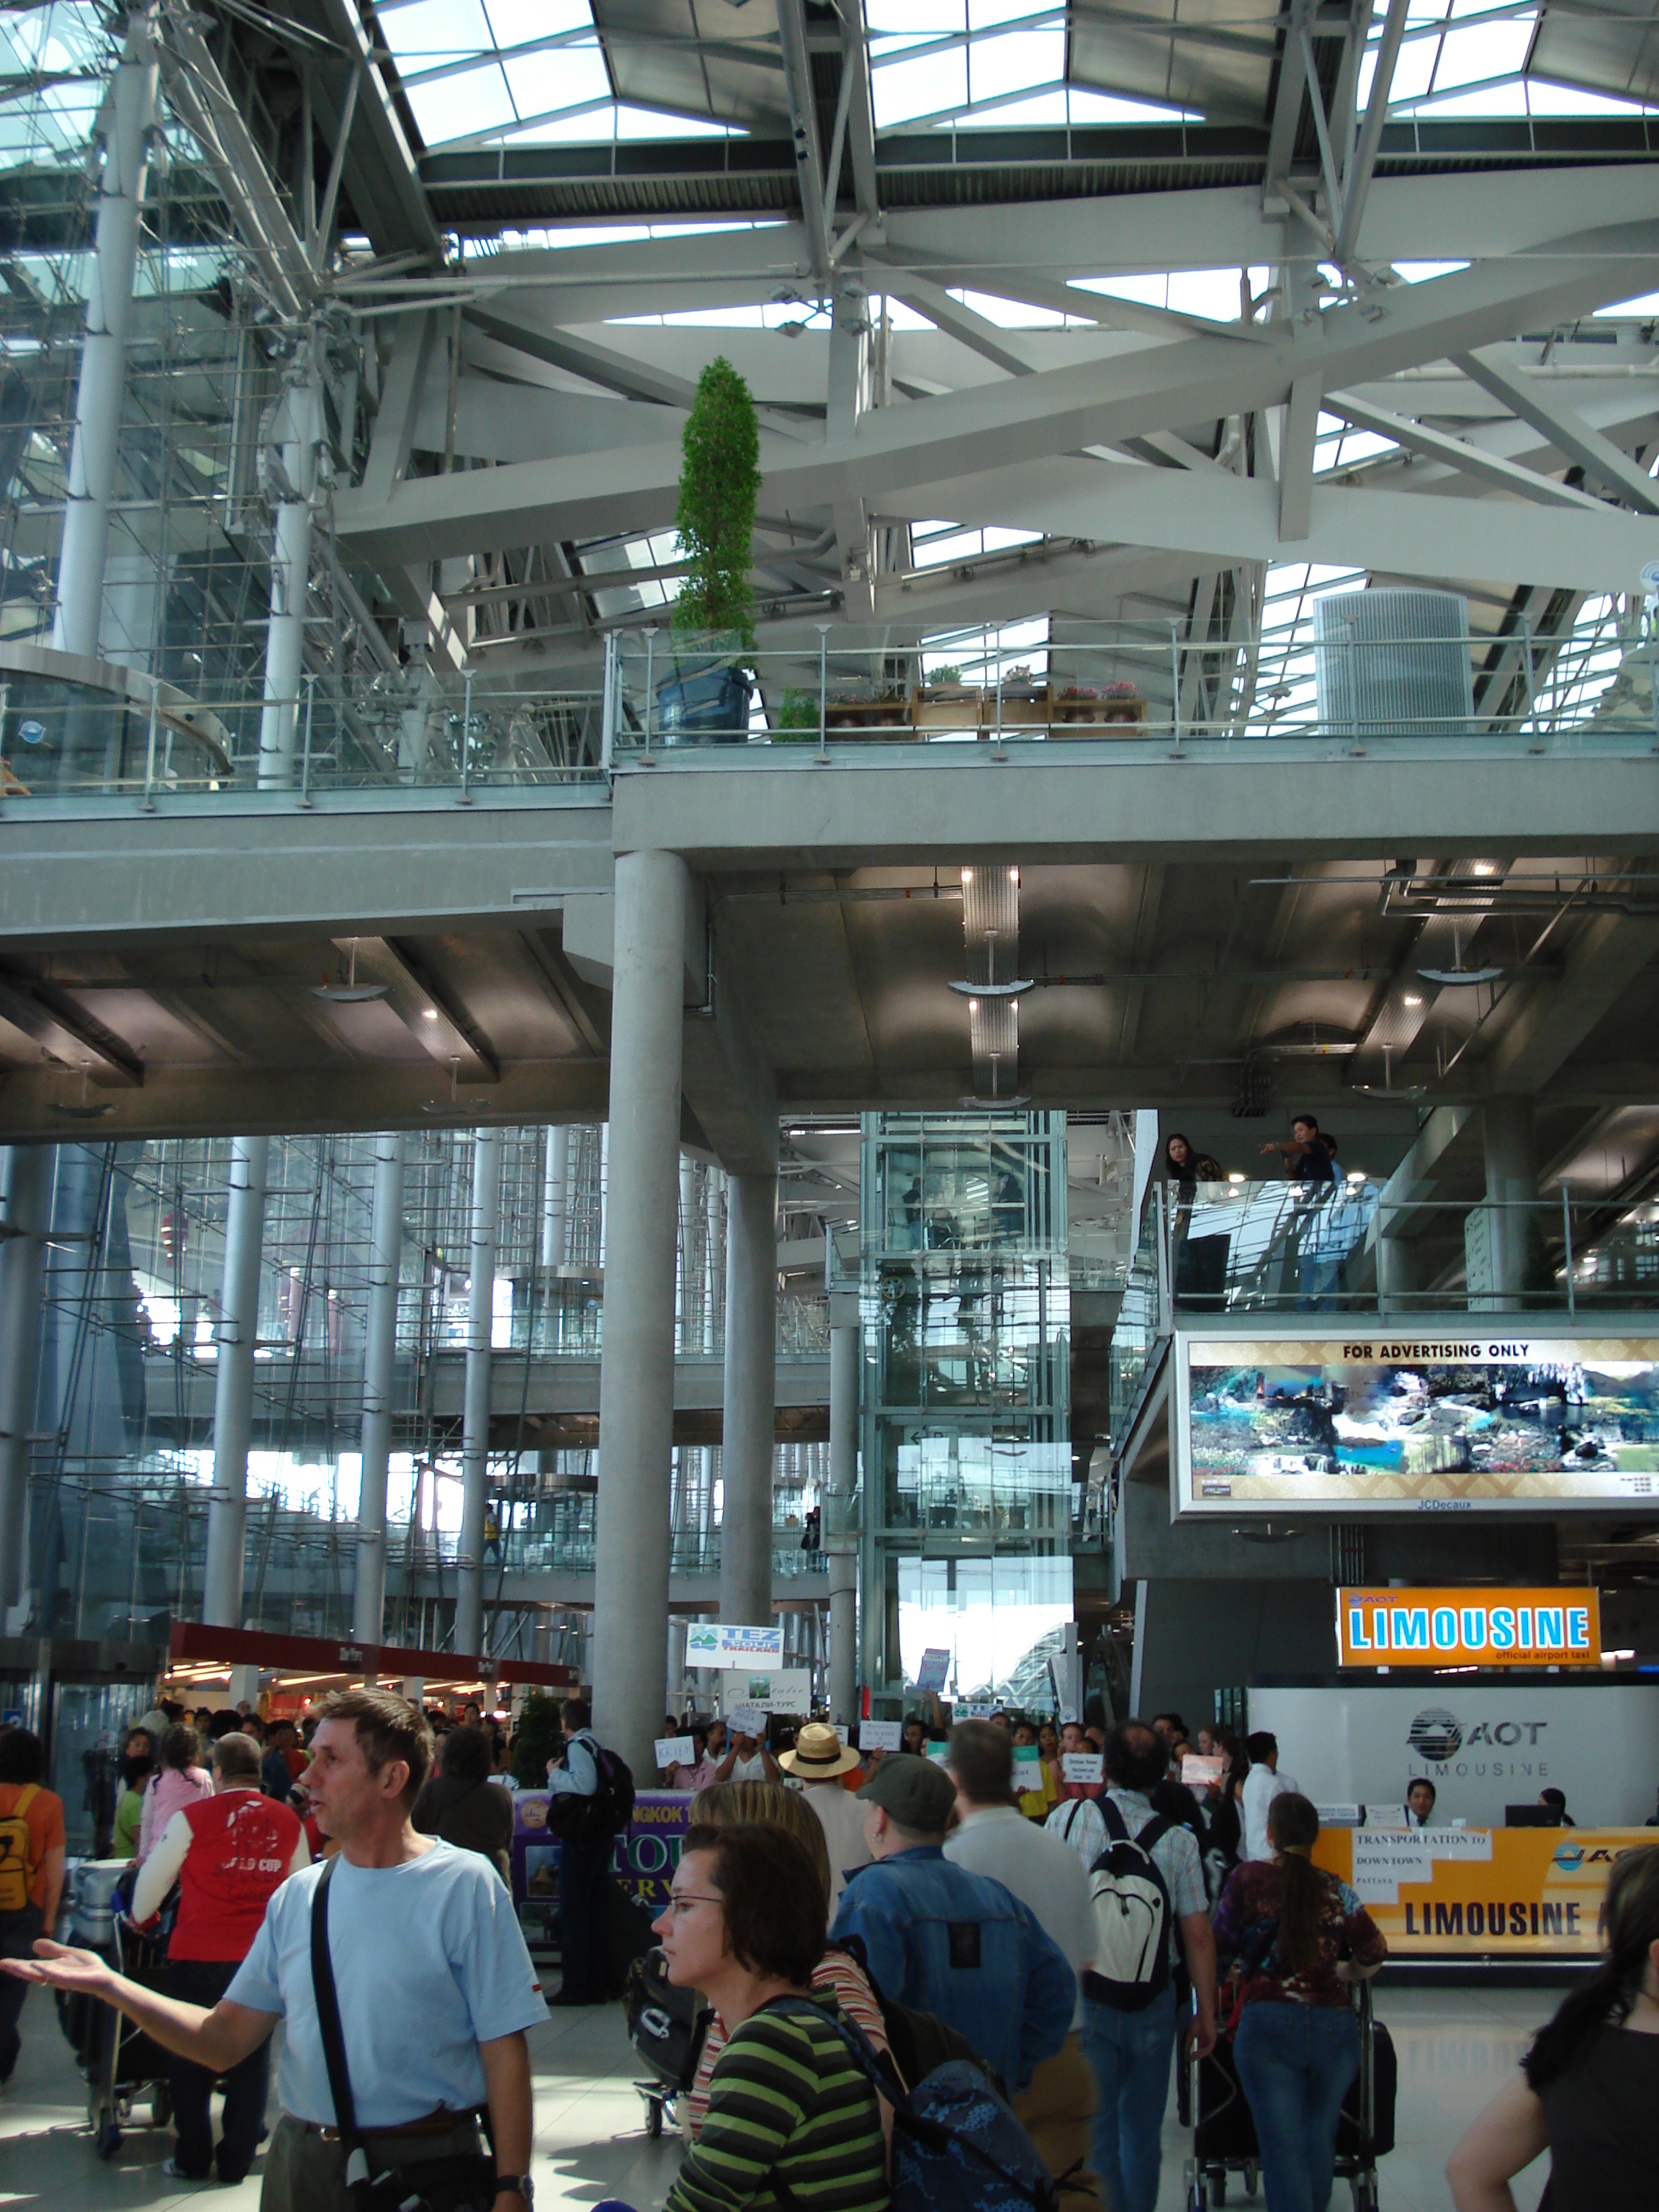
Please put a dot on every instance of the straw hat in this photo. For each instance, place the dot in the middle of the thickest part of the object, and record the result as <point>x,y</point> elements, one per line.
<point>818,1755</point>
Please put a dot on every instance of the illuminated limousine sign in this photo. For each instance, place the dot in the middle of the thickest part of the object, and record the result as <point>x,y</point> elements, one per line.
<point>1467,1628</point>
<point>1355,1423</point>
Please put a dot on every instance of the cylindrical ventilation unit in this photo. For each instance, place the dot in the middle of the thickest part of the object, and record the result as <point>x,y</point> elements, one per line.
<point>1394,663</point>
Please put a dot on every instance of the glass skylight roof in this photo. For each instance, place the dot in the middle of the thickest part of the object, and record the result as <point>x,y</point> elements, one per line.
<point>529,72</point>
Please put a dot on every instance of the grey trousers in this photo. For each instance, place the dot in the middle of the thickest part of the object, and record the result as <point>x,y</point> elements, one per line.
<point>306,2172</point>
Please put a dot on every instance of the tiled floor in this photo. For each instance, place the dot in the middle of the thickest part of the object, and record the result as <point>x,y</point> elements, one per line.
<point>1454,2047</point>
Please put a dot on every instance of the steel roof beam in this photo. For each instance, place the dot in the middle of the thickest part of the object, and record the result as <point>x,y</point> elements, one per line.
<point>1027,419</point>
<point>1470,461</point>
<point>816,214</point>
<point>1565,430</point>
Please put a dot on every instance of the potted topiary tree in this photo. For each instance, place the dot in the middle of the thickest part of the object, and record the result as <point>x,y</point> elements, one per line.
<point>707,696</point>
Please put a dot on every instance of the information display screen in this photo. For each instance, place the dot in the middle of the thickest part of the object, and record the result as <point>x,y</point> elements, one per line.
<point>1364,1422</point>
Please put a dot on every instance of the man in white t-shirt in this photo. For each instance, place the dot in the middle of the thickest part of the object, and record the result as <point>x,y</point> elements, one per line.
<point>817,1762</point>
<point>1262,1784</point>
<point>436,1987</point>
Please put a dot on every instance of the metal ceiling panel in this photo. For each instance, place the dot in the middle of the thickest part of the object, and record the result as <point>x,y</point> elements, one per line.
<point>694,56</point>
<point>1616,50</point>
<point>1216,57</point>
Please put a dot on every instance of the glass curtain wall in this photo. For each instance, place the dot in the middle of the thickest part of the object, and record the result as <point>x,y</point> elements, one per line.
<point>121,1460</point>
<point>964,1300</point>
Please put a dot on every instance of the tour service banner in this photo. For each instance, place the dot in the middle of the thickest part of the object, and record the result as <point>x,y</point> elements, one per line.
<point>1356,1424</point>
<point>1480,1627</point>
<point>1481,1893</point>
<point>642,1860</point>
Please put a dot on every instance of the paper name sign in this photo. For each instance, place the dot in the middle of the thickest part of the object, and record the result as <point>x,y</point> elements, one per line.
<point>1201,1774</point>
<point>1027,1771</point>
<point>1082,1765</point>
<point>1382,1861</point>
<point>676,1750</point>
<point>935,1666</point>
<point>747,1720</point>
<point>880,1735</point>
<point>939,1753</point>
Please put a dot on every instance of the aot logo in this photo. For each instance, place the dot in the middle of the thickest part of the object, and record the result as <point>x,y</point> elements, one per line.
<point>1435,1735</point>
<point>1568,1857</point>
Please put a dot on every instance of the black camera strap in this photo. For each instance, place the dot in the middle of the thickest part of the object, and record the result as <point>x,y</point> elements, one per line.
<point>328,2022</point>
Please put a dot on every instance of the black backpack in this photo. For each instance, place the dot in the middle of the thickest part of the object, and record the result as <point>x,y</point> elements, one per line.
<point>590,1820</point>
<point>919,2041</point>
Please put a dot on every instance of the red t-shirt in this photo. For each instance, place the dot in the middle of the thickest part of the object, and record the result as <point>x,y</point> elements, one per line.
<point>241,1846</point>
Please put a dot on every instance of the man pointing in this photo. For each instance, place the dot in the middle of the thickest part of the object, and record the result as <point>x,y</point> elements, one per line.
<point>435,1985</point>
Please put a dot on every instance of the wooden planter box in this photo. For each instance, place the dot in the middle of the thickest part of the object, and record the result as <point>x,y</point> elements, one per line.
<point>951,707</point>
<point>885,715</point>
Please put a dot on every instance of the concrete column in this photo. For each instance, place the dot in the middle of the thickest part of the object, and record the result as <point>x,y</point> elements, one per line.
<point>555,1178</point>
<point>380,1374</point>
<point>1512,1193</point>
<point>843,1564</point>
<point>98,397</point>
<point>232,1396</point>
<point>26,1199</point>
<point>475,1418</point>
<point>636,1365</point>
<point>750,1393</point>
<point>299,434</point>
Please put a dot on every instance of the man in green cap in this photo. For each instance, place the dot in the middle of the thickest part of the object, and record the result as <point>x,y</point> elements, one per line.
<point>948,1941</point>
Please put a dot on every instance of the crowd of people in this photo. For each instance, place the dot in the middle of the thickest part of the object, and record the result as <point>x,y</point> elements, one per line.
<point>855,1920</point>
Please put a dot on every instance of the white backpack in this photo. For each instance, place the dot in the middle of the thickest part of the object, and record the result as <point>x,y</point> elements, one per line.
<point>1129,1905</point>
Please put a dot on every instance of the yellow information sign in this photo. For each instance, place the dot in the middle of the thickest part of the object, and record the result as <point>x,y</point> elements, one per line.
<point>1463,1628</point>
<point>1481,1893</point>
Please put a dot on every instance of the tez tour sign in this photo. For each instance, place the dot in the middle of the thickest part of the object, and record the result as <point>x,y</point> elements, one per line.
<point>1469,1628</point>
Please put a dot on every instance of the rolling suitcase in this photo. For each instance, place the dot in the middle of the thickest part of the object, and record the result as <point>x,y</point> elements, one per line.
<point>666,2026</point>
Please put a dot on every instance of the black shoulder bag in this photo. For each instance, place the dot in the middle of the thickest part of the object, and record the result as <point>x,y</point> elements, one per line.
<point>466,2183</point>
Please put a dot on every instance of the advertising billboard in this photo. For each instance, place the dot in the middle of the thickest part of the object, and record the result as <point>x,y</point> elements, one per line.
<point>1482,1627</point>
<point>1485,1746</point>
<point>1366,1422</point>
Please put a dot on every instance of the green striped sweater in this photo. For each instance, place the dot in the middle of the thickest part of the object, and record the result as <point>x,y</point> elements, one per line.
<point>786,2101</point>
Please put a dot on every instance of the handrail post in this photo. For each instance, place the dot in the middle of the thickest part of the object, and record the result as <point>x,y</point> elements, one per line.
<point>608,704</point>
<point>149,750</point>
<point>1175,679</point>
<point>650,649</point>
<point>1653,678</point>
<point>823,691</point>
<point>305,757</point>
<point>463,797</point>
<point>1537,744</point>
<point>1566,1232</point>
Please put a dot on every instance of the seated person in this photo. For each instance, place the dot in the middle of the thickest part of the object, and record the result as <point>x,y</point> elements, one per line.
<point>791,2116</point>
<point>1420,1803</point>
<point>1557,1800</point>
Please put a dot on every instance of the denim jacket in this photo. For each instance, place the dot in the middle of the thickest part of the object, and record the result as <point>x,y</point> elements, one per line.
<point>958,1944</point>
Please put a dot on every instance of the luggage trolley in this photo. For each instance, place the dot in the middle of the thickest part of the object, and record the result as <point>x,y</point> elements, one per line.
<point>666,2026</point>
<point>119,2063</point>
<point>1224,2134</point>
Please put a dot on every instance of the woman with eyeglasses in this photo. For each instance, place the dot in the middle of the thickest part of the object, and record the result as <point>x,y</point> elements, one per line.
<point>837,1974</point>
<point>789,2108</point>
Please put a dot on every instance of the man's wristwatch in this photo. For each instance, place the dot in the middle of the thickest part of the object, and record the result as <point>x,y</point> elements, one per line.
<point>516,2185</point>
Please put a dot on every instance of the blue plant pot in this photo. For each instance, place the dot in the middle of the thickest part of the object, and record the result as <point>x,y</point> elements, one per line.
<point>708,709</point>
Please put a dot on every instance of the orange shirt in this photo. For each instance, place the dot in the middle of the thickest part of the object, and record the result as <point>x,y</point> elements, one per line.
<point>43,1819</point>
